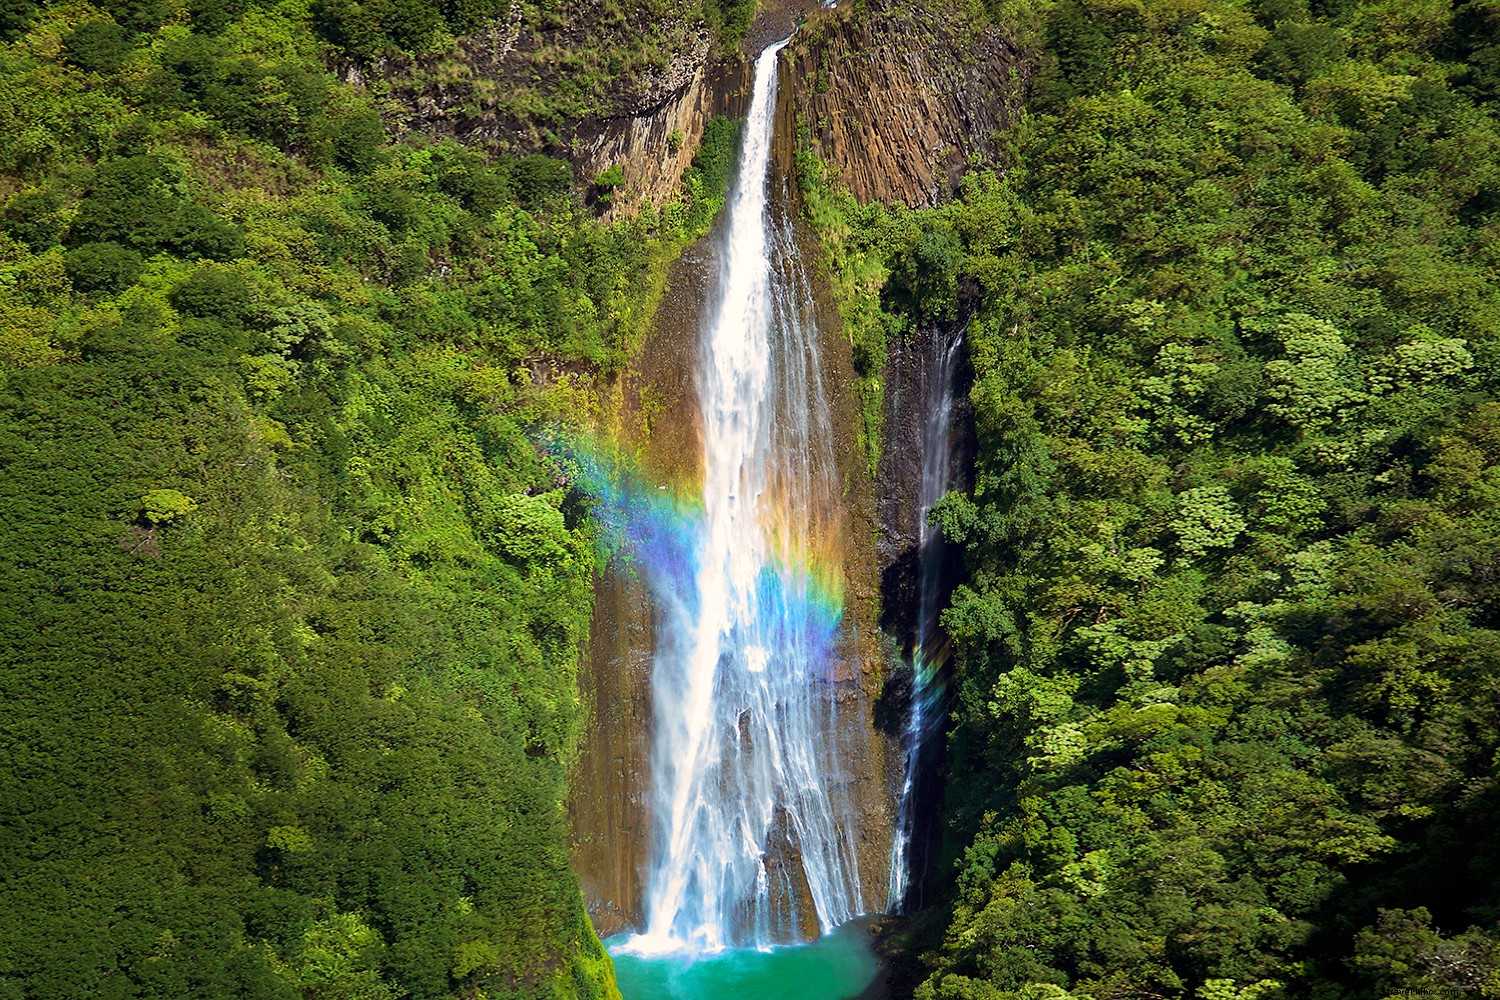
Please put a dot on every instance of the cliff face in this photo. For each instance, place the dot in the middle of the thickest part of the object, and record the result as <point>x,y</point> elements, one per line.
<point>608,802</point>
<point>655,143</point>
<point>897,98</point>
<point>610,786</point>
<point>596,87</point>
<point>523,82</point>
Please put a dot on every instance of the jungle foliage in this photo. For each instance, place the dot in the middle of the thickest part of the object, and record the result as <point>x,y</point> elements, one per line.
<point>1227,682</point>
<point>525,72</point>
<point>291,604</point>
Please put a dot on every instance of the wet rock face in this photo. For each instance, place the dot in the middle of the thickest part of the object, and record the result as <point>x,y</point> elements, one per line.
<point>608,809</point>
<point>898,97</point>
<point>909,370</point>
<point>609,803</point>
<point>914,366</point>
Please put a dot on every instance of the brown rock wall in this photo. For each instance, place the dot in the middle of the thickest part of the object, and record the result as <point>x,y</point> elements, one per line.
<point>608,803</point>
<point>609,789</point>
<point>655,144</point>
<point>898,98</point>
<point>608,810</point>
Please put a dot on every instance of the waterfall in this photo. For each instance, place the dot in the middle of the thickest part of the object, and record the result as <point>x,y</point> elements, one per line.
<point>930,647</point>
<point>753,840</point>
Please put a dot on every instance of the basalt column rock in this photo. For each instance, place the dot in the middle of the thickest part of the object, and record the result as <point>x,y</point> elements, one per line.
<point>897,98</point>
<point>653,143</point>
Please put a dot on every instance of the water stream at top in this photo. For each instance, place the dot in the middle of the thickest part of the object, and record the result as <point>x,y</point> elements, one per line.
<point>753,824</point>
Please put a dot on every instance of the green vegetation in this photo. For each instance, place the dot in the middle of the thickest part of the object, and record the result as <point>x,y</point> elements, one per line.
<point>728,19</point>
<point>292,606</point>
<point>539,68</point>
<point>1227,709</point>
<point>859,246</point>
<point>619,37</point>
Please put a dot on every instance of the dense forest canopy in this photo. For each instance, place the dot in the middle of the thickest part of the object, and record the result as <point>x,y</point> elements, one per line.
<point>1228,673</point>
<point>292,604</point>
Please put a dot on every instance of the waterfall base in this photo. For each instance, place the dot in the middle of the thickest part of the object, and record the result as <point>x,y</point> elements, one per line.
<point>837,966</point>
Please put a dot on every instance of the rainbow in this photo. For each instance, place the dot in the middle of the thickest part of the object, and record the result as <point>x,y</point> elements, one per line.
<point>657,530</point>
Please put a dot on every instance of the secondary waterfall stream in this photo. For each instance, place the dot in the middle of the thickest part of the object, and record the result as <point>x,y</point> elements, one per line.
<point>753,830</point>
<point>930,645</point>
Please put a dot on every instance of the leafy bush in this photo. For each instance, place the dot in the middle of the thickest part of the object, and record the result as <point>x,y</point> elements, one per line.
<point>103,267</point>
<point>212,16</point>
<point>214,293</point>
<point>729,19</point>
<point>713,163</point>
<point>138,15</point>
<point>97,46</point>
<point>15,15</point>
<point>140,202</point>
<point>539,179</point>
<point>32,218</point>
<point>354,135</point>
<point>368,29</point>
<point>275,102</point>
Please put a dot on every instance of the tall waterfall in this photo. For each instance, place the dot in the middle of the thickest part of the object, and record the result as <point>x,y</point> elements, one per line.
<point>753,830</point>
<point>930,647</point>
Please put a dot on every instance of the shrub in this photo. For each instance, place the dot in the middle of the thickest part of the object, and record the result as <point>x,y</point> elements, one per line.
<point>15,15</point>
<point>137,201</point>
<point>97,46</point>
<point>273,103</point>
<point>370,29</point>
<point>714,161</point>
<point>213,16</point>
<point>32,219</point>
<point>540,178</point>
<point>138,15</point>
<point>611,178</point>
<point>103,267</point>
<point>606,181</point>
<point>213,293</point>
<point>162,506</point>
<point>480,186</point>
<point>349,136</point>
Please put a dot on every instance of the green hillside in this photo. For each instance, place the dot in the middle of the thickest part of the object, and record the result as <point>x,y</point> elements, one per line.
<point>291,606</point>
<point>1228,673</point>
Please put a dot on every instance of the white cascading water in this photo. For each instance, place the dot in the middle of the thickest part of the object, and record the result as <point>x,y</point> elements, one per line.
<point>929,650</point>
<point>752,818</point>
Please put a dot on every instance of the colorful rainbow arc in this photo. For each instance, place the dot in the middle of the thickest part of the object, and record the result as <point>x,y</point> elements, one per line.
<point>659,530</point>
